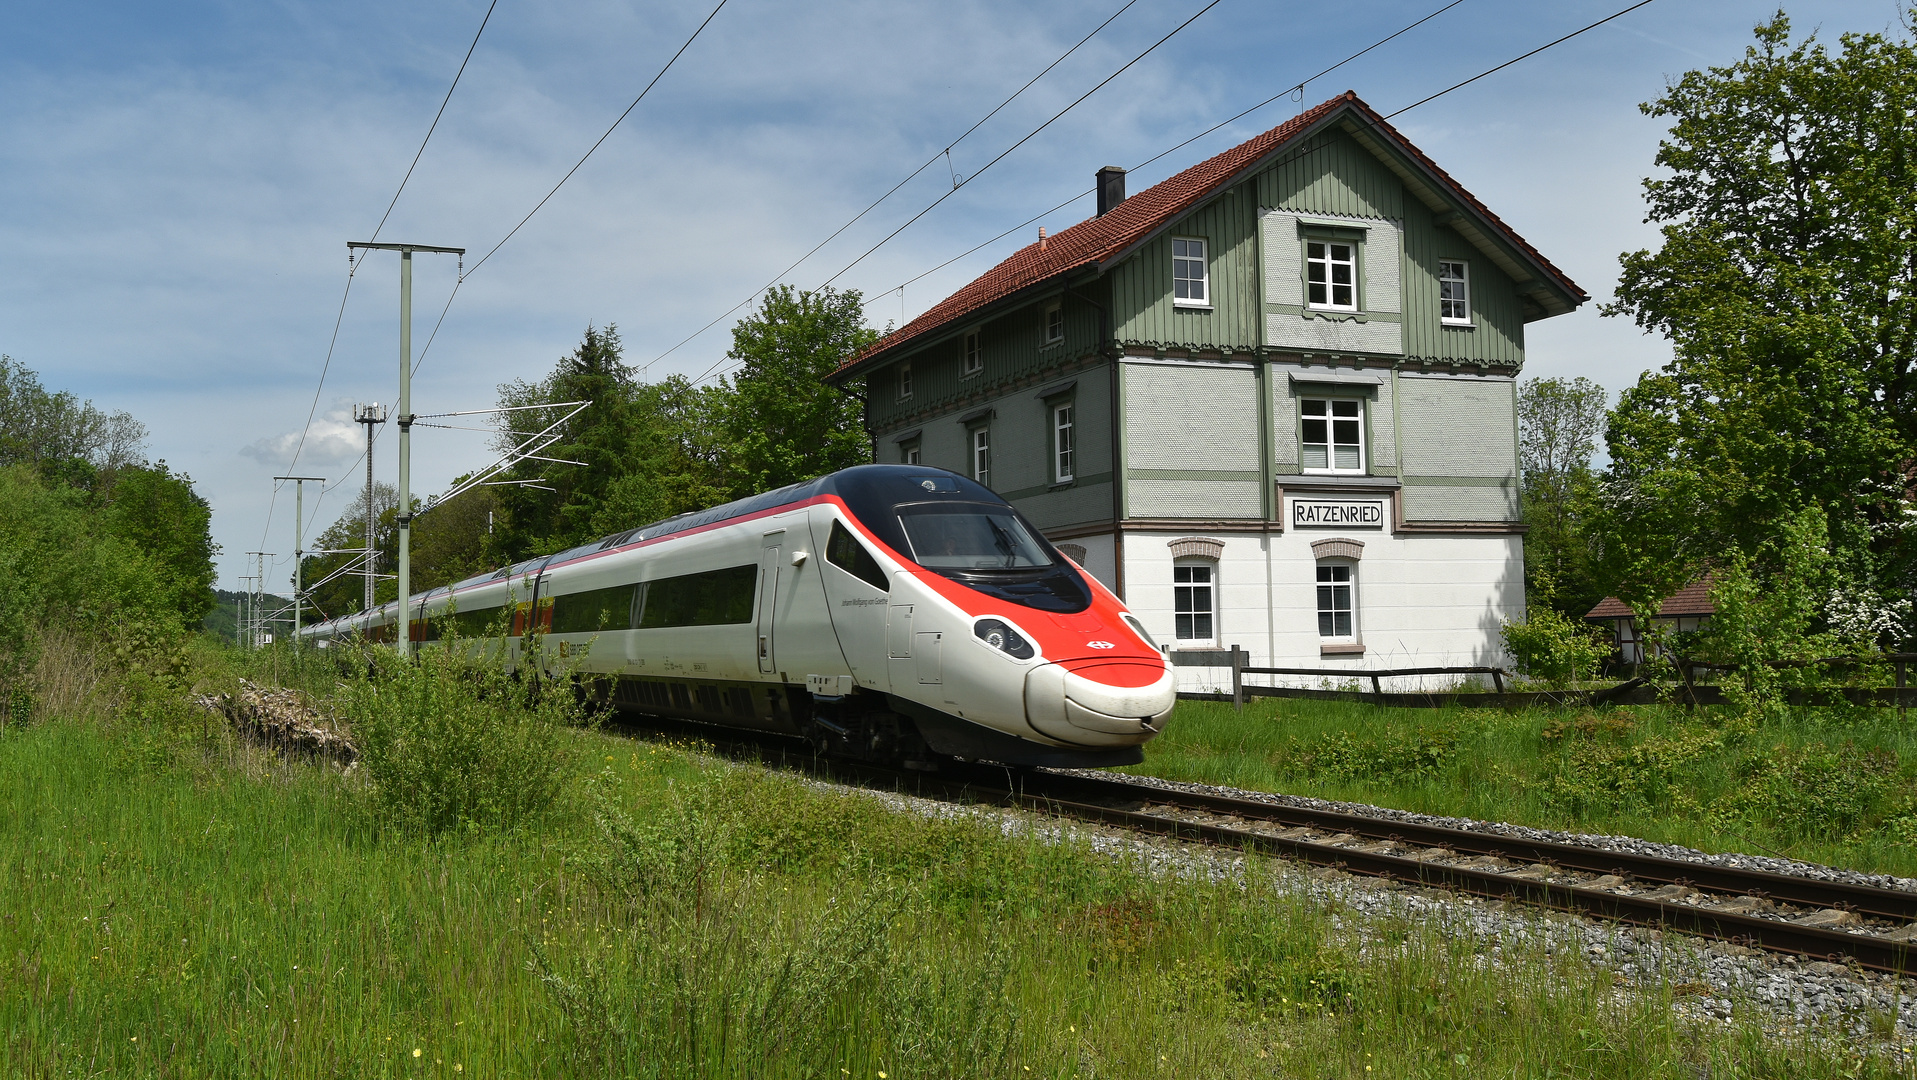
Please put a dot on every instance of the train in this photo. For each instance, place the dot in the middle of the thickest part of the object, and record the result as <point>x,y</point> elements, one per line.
<point>894,613</point>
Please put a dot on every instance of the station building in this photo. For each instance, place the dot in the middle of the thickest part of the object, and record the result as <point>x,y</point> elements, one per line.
<point>1270,401</point>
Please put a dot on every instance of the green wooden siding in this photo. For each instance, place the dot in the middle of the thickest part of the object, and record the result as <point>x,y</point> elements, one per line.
<point>1498,334</point>
<point>1143,310</point>
<point>1014,348</point>
<point>1334,175</point>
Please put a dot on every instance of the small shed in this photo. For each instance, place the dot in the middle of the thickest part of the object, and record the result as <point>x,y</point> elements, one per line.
<point>1684,611</point>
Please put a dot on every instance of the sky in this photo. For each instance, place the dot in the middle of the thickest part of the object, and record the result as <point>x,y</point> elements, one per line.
<point>178,182</point>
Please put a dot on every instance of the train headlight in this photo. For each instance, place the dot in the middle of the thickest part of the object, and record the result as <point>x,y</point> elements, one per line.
<point>1002,637</point>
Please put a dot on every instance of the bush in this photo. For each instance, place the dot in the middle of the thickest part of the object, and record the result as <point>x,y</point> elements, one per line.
<point>450,745</point>
<point>1552,649</point>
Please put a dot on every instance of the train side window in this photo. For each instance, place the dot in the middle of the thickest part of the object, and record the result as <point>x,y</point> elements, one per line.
<point>711,598</point>
<point>594,610</point>
<point>845,552</point>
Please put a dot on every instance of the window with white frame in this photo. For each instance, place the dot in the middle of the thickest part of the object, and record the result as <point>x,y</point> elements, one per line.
<point>1332,434</point>
<point>974,356</point>
<point>1064,455</point>
<point>982,455</point>
<point>909,453</point>
<point>1054,323</point>
<point>1454,291</point>
<point>1191,285</point>
<point>905,381</point>
<point>1331,274</point>
<point>1194,611</point>
<point>1336,618</point>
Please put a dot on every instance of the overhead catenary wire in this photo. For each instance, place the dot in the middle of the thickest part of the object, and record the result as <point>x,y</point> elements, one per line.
<point>1294,88</point>
<point>1055,117</point>
<point>945,153</point>
<point>436,118</point>
<point>1314,149</point>
<point>464,274</point>
<point>976,173</point>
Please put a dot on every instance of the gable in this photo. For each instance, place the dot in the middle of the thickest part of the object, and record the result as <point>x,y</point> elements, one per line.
<point>1107,240</point>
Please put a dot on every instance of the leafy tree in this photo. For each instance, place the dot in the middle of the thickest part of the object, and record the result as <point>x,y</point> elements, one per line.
<point>345,594</point>
<point>558,512</point>
<point>783,423</point>
<point>71,440</point>
<point>651,451</point>
<point>1559,421</point>
<point>158,511</point>
<point>1787,282</point>
<point>449,543</point>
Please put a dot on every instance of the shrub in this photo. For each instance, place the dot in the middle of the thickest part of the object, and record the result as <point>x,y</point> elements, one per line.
<point>451,745</point>
<point>1552,649</point>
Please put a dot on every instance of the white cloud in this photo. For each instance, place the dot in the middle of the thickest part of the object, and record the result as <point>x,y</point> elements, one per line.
<point>332,440</point>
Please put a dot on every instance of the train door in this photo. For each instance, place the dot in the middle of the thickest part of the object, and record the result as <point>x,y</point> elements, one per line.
<point>770,567</point>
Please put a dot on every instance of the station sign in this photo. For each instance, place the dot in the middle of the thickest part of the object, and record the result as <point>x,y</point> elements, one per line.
<point>1337,513</point>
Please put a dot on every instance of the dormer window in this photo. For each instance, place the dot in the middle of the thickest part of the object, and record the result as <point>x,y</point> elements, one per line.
<point>1191,283</point>
<point>1331,275</point>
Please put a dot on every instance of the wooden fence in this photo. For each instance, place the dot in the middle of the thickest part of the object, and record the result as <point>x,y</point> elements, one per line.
<point>1630,692</point>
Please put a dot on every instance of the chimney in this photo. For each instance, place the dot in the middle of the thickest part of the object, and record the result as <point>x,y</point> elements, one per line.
<point>1041,238</point>
<point>1111,188</point>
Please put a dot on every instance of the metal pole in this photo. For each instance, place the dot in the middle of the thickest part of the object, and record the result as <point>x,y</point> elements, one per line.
<point>299,544</point>
<point>405,517</point>
<point>405,417</point>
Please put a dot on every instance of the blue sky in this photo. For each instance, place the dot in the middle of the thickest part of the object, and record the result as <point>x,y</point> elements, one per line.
<point>178,182</point>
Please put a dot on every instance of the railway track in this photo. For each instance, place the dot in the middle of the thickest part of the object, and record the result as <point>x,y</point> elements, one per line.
<point>1865,926</point>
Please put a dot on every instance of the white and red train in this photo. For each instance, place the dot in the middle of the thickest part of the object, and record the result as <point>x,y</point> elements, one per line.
<point>892,612</point>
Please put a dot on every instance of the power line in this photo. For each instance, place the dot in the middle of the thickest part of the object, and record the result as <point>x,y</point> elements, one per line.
<point>562,182</point>
<point>1165,153</point>
<point>976,173</point>
<point>602,138</point>
<point>929,162</point>
<point>351,268</point>
<point>1295,88</point>
<point>435,124</point>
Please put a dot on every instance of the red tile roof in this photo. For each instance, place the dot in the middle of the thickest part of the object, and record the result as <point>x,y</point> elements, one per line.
<point>1100,238</point>
<point>1692,599</point>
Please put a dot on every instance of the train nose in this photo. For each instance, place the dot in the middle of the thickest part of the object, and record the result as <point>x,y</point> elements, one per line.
<point>1100,702</point>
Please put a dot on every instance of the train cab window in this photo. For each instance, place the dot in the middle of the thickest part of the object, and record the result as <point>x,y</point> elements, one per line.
<point>970,536</point>
<point>712,598</point>
<point>844,551</point>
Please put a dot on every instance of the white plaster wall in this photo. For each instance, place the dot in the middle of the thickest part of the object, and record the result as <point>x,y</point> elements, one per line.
<point>1423,601</point>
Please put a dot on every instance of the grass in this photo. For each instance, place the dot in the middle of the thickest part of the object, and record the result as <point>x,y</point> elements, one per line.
<point>1825,785</point>
<point>181,904</point>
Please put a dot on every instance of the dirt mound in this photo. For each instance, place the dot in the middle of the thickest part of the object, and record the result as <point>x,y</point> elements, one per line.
<point>283,719</point>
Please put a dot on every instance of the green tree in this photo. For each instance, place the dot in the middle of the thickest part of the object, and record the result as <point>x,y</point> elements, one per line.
<point>1559,423</point>
<point>345,593</point>
<point>158,511</point>
<point>558,512</point>
<point>651,450</point>
<point>66,438</point>
<point>783,423</point>
<point>1786,280</point>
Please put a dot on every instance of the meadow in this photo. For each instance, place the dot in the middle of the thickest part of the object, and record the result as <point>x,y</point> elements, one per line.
<point>1826,785</point>
<point>561,901</point>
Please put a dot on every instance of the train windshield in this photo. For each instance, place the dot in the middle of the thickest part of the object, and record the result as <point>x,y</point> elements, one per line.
<point>970,536</point>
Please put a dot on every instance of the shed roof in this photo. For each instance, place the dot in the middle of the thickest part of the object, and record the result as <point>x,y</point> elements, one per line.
<point>1692,599</point>
<point>1099,242</point>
